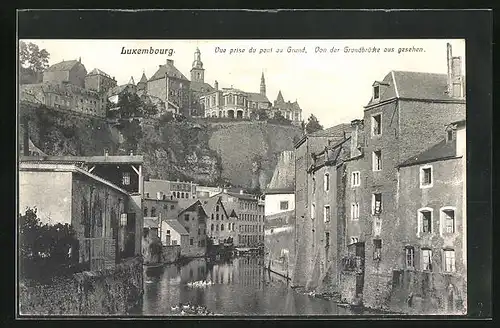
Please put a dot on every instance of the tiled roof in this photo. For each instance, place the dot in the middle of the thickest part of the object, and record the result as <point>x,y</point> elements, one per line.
<point>440,151</point>
<point>63,66</point>
<point>257,97</point>
<point>279,98</point>
<point>144,79</point>
<point>334,131</point>
<point>287,105</point>
<point>413,85</point>
<point>168,69</point>
<point>196,205</point>
<point>97,71</point>
<point>201,87</point>
<point>177,226</point>
<point>209,204</point>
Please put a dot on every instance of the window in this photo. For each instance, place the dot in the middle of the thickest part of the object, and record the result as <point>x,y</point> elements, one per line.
<point>216,227</point>
<point>199,231</point>
<point>174,242</point>
<point>145,211</point>
<point>376,203</point>
<point>354,240</point>
<point>409,257</point>
<point>182,195</point>
<point>191,241</point>
<point>449,260</point>
<point>222,227</point>
<point>186,217</point>
<point>313,211</point>
<point>376,125</point>
<point>217,208</point>
<point>327,239</point>
<point>313,185</point>
<point>354,211</point>
<point>326,182</point>
<point>126,178</point>
<point>450,135</point>
<point>326,213</point>
<point>212,227</point>
<point>284,205</point>
<point>212,216</point>
<point>217,216</point>
<point>426,260</point>
<point>448,220</point>
<point>172,207</point>
<point>376,92</point>
<point>377,160</point>
<point>355,179</point>
<point>426,177</point>
<point>377,249</point>
<point>425,220</point>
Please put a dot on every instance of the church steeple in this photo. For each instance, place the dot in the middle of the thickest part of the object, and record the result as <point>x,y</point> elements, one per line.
<point>262,85</point>
<point>197,71</point>
<point>280,98</point>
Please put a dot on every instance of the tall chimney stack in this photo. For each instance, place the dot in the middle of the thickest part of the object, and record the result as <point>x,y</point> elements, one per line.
<point>449,61</point>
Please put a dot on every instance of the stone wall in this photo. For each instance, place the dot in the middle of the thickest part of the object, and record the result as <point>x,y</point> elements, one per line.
<point>416,292</point>
<point>105,292</point>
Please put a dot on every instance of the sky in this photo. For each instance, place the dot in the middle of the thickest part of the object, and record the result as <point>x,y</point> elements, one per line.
<point>334,86</point>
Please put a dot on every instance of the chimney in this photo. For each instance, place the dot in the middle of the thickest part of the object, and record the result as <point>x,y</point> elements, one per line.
<point>170,62</point>
<point>216,85</point>
<point>449,71</point>
<point>457,83</point>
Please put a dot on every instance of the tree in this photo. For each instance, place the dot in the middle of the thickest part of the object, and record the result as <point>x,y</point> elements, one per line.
<point>262,114</point>
<point>32,62</point>
<point>280,119</point>
<point>313,125</point>
<point>131,105</point>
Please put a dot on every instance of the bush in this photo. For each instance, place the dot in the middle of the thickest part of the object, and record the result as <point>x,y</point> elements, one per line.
<point>45,250</point>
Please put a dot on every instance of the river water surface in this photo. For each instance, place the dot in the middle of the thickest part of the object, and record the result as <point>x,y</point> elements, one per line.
<point>241,286</point>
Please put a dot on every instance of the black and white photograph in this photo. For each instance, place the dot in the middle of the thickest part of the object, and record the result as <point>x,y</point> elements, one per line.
<point>233,178</point>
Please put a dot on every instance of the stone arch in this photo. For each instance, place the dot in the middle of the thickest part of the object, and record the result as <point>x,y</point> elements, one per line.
<point>239,114</point>
<point>230,113</point>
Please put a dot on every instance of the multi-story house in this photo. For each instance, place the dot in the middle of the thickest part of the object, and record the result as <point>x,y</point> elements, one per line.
<point>99,81</point>
<point>305,185</point>
<point>288,110</point>
<point>406,115</point>
<point>221,224</point>
<point>194,220</point>
<point>432,227</point>
<point>176,234</point>
<point>66,72</point>
<point>160,208</point>
<point>177,189</point>
<point>234,103</point>
<point>250,215</point>
<point>172,87</point>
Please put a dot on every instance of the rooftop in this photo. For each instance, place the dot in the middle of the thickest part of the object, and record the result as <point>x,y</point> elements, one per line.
<point>66,167</point>
<point>257,97</point>
<point>63,66</point>
<point>130,159</point>
<point>170,70</point>
<point>150,222</point>
<point>440,151</point>
<point>177,226</point>
<point>413,85</point>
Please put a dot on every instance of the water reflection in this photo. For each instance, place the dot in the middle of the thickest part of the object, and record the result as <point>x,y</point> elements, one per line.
<point>241,287</point>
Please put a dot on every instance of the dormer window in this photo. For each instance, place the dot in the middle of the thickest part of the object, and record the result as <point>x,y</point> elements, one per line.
<point>376,92</point>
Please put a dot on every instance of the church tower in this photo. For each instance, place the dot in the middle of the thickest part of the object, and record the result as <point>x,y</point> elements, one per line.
<point>263,85</point>
<point>197,71</point>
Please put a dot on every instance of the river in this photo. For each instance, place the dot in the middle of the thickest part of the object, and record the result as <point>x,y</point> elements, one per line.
<point>241,286</point>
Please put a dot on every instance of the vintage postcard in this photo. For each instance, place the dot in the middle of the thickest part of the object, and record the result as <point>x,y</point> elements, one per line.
<point>242,177</point>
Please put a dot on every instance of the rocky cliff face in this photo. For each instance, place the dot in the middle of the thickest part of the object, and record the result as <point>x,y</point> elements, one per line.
<point>243,154</point>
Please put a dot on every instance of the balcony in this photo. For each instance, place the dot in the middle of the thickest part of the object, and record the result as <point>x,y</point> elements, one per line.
<point>355,264</point>
<point>97,253</point>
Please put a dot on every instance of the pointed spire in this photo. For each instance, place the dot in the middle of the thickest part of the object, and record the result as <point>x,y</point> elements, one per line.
<point>131,80</point>
<point>280,98</point>
<point>262,85</point>
<point>144,79</point>
<point>80,59</point>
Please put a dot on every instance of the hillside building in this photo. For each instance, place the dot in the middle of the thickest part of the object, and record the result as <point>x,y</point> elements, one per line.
<point>221,224</point>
